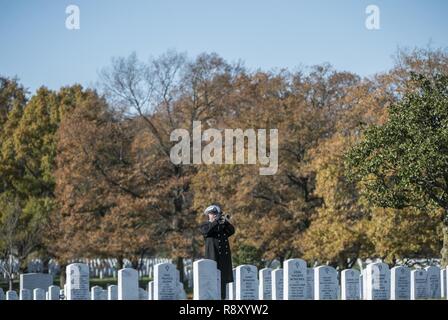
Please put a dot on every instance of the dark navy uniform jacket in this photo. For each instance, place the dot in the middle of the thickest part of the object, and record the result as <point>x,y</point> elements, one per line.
<point>217,246</point>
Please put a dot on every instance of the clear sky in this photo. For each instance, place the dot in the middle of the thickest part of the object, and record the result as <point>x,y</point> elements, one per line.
<point>36,46</point>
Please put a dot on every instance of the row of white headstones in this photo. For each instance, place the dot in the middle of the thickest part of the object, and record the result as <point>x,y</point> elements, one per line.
<point>294,282</point>
<point>166,286</point>
<point>298,282</point>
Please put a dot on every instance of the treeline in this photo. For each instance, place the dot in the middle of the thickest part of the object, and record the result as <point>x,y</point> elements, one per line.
<point>87,173</point>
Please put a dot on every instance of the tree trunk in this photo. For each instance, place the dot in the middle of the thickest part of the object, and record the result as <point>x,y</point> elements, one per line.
<point>134,262</point>
<point>180,267</point>
<point>444,252</point>
<point>342,262</point>
<point>45,263</point>
<point>119,263</point>
<point>23,266</point>
<point>10,282</point>
<point>62,275</point>
<point>281,259</point>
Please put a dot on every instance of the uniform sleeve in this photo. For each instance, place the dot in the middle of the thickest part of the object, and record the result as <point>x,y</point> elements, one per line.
<point>229,228</point>
<point>207,229</point>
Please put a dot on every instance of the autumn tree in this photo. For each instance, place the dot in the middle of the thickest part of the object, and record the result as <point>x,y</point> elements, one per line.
<point>101,191</point>
<point>273,212</point>
<point>94,169</point>
<point>403,163</point>
<point>12,103</point>
<point>27,153</point>
<point>22,227</point>
<point>167,93</point>
<point>344,221</point>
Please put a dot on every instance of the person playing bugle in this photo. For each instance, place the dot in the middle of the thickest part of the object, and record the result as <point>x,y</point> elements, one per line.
<point>216,232</point>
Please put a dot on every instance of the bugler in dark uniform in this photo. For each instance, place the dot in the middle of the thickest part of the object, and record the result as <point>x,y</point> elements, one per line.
<point>217,246</point>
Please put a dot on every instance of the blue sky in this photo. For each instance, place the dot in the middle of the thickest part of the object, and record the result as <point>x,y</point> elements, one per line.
<point>36,46</point>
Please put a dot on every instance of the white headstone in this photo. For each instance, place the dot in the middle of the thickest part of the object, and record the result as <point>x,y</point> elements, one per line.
<point>77,286</point>
<point>294,279</point>
<point>204,280</point>
<point>218,282</point>
<point>181,295</point>
<point>229,291</point>
<point>433,282</point>
<point>310,283</point>
<point>25,294</point>
<point>277,284</point>
<point>246,282</point>
<point>265,284</point>
<point>400,283</point>
<point>11,295</point>
<point>363,279</point>
<point>378,281</point>
<point>142,294</point>
<point>165,283</point>
<point>419,284</point>
<point>151,290</point>
<point>350,282</point>
<point>128,284</point>
<point>177,275</point>
<point>38,294</point>
<point>230,288</point>
<point>361,285</point>
<point>446,282</point>
<point>95,293</point>
<point>53,293</point>
<point>234,284</point>
<point>112,292</point>
<point>443,283</point>
<point>325,283</point>
<point>32,281</point>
